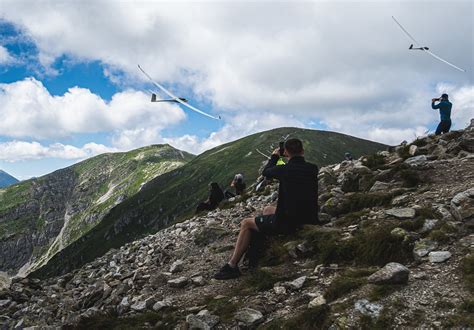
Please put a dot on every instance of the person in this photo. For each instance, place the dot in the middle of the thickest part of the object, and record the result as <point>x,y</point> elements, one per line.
<point>215,197</point>
<point>239,185</point>
<point>444,107</point>
<point>297,204</point>
<point>348,156</point>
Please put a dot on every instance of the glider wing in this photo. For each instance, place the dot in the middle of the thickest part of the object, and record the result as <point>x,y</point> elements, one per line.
<point>177,99</point>
<point>442,60</point>
<point>406,32</point>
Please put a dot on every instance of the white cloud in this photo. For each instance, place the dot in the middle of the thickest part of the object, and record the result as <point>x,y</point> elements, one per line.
<point>5,57</point>
<point>344,64</point>
<point>14,151</point>
<point>29,110</point>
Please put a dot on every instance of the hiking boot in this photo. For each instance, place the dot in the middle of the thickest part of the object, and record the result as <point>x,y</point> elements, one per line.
<point>227,272</point>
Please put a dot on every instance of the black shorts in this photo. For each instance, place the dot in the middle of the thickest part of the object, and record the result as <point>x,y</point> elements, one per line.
<point>268,225</point>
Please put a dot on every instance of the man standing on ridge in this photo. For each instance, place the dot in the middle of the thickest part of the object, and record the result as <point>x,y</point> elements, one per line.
<point>444,107</point>
<point>297,203</point>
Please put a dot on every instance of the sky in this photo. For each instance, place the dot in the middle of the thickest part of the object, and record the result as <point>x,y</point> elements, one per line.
<point>70,88</point>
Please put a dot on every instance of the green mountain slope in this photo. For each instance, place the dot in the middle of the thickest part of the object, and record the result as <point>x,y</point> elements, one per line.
<point>40,217</point>
<point>169,196</point>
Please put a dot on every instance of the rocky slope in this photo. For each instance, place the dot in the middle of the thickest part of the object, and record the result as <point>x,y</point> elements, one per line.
<point>42,216</point>
<point>175,194</point>
<point>6,179</point>
<point>397,251</point>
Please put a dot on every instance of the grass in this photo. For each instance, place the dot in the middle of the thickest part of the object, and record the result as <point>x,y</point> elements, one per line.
<point>404,152</point>
<point>410,178</point>
<point>381,291</point>
<point>223,308</point>
<point>359,201</point>
<point>260,280</point>
<point>384,321</point>
<point>311,318</point>
<point>374,161</point>
<point>467,269</point>
<point>343,285</point>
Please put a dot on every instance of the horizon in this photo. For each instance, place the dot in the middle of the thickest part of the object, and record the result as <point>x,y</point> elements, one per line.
<point>70,89</point>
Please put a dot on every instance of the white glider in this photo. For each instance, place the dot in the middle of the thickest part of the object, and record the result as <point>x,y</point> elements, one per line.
<point>174,97</point>
<point>425,49</point>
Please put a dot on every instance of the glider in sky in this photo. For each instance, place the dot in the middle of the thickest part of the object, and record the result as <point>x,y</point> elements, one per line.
<point>425,49</point>
<point>174,98</point>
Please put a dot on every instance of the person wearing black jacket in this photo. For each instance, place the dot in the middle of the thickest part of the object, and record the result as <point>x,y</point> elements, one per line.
<point>216,195</point>
<point>297,203</point>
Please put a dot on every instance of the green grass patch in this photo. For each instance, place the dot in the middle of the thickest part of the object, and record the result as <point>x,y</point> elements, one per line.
<point>223,308</point>
<point>404,152</point>
<point>261,280</point>
<point>438,236</point>
<point>467,269</point>
<point>374,161</point>
<point>410,178</point>
<point>412,225</point>
<point>381,291</point>
<point>342,285</point>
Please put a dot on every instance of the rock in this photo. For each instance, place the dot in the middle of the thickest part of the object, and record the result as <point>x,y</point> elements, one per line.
<point>249,316</point>
<point>417,160</point>
<point>4,303</point>
<point>178,282</point>
<point>198,281</point>
<point>317,301</point>
<point>203,320</point>
<point>439,256</point>
<point>140,306</point>
<point>124,306</point>
<point>462,205</point>
<point>401,213</point>
<point>398,232</point>
<point>363,306</point>
<point>391,273</point>
<point>412,150</point>
<point>280,290</point>
<point>423,247</point>
<point>428,225</point>
<point>159,305</point>
<point>297,284</point>
<point>380,186</point>
<point>177,266</point>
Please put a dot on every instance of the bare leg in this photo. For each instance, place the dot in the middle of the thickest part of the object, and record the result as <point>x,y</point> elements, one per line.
<point>269,210</point>
<point>246,227</point>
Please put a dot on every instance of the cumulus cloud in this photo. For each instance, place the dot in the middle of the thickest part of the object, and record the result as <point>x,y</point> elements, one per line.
<point>5,57</point>
<point>29,110</point>
<point>344,64</point>
<point>14,151</point>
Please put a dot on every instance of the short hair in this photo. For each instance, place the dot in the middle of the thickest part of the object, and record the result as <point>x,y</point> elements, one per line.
<point>444,96</point>
<point>294,147</point>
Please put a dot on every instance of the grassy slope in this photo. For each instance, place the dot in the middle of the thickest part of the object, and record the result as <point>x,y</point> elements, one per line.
<point>176,193</point>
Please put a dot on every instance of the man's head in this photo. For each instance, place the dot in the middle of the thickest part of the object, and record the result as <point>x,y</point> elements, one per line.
<point>294,147</point>
<point>444,96</point>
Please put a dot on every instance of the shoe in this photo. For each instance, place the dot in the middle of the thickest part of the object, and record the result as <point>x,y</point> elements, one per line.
<point>227,272</point>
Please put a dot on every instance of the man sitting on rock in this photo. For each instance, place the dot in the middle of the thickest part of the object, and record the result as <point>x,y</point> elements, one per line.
<point>297,203</point>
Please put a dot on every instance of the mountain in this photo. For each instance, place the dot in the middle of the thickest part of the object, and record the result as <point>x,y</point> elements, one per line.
<point>397,252</point>
<point>6,179</point>
<point>42,216</point>
<point>175,194</point>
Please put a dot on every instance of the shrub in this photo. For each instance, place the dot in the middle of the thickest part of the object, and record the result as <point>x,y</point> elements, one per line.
<point>403,152</point>
<point>467,268</point>
<point>327,245</point>
<point>311,318</point>
<point>374,161</point>
<point>410,178</point>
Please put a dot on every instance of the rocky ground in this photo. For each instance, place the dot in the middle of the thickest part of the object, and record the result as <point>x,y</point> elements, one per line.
<point>396,250</point>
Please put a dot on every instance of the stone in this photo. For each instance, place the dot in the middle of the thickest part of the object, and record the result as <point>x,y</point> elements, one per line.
<point>159,305</point>
<point>297,284</point>
<point>391,273</point>
<point>198,281</point>
<point>380,186</point>
<point>423,247</point>
<point>203,320</point>
<point>142,305</point>
<point>428,225</point>
<point>249,316</point>
<point>412,150</point>
<point>280,290</point>
<point>398,232</point>
<point>439,256</point>
<point>177,266</point>
<point>417,160</point>
<point>402,213</point>
<point>124,306</point>
<point>462,205</point>
<point>178,282</point>
<point>317,301</point>
<point>5,303</point>
<point>364,307</point>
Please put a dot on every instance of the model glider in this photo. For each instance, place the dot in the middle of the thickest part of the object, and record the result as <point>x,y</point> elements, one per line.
<point>174,98</point>
<point>423,48</point>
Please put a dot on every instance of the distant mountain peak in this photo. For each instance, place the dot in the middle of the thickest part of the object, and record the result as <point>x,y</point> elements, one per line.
<point>6,179</point>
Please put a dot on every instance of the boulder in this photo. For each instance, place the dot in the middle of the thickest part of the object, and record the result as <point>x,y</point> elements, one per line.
<point>297,284</point>
<point>179,282</point>
<point>462,205</point>
<point>249,316</point>
<point>398,232</point>
<point>203,320</point>
<point>417,160</point>
<point>380,186</point>
<point>391,273</point>
<point>177,266</point>
<point>159,305</point>
<point>423,247</point>
<point>317,301</point>
<point>401,213</point>
<point>439,256</point>
<point>428,225</point>
<point>412,150</point>
<point>364,307</point>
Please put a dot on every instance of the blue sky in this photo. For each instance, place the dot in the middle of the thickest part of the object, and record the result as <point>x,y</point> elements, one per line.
<point>70,89</point>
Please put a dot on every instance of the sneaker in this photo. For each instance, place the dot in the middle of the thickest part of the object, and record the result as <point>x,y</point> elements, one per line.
<point>227,272</point>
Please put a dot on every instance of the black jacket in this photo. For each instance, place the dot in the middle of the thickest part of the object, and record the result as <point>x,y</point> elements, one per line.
<point>298,191</point>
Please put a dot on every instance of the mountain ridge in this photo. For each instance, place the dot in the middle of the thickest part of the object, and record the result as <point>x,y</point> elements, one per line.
<point>7,179</point>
